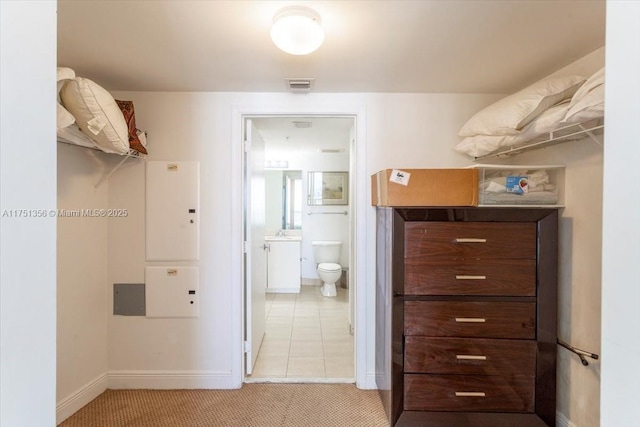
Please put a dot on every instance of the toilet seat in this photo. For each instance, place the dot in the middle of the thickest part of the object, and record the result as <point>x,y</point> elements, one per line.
<point>329,267</point>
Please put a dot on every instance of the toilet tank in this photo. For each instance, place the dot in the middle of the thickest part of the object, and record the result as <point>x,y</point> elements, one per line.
<point>326,251</point>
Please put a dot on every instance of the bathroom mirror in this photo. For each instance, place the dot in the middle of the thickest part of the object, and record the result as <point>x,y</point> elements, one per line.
<point>283,197</point>
<point>328,188</point>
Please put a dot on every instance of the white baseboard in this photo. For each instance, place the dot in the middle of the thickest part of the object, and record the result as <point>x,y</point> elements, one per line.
<point>76,400</point>
<point>563,421</point>
<point>167,380</point>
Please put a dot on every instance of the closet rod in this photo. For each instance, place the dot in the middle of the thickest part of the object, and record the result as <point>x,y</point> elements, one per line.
<point>328,213</point>
<point>581,353</point>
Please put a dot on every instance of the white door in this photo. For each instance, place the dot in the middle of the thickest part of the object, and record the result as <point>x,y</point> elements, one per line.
<point>255,266</point>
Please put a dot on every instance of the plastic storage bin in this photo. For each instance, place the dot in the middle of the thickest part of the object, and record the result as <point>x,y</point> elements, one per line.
<point>520,185</point>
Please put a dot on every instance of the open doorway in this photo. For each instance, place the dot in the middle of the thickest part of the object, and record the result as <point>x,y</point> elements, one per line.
<point>298,191</point>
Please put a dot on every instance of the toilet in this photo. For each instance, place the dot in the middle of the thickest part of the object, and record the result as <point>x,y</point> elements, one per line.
<point>326,254</point>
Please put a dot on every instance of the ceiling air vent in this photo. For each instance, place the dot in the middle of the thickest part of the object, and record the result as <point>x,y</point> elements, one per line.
<point>299,85</point>
<point>331,150</point>
<point>302,124</point>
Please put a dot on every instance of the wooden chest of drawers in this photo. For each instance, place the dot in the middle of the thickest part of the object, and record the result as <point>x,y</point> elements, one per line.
<point>466,316</point>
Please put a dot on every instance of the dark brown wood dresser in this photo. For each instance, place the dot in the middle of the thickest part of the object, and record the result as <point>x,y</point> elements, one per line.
<point>466,312</point>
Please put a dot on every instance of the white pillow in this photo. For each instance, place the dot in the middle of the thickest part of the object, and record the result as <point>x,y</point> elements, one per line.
<point>97,114</point>
<point>590,106</point>
<point>481,145</point>
<point>592,82</point>
<point>64,74</point>
<point>65,118</point>
<point>509,115</point>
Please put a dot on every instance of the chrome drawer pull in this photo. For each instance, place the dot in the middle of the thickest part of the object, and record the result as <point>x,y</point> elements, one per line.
<point>470,394</point>
<point>467,277</point>
<point>470,357</point>
<point>470,319</point>
<point>470,240</point>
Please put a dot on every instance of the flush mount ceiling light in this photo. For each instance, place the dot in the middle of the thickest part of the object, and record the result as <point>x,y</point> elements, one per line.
<point>297,30</point>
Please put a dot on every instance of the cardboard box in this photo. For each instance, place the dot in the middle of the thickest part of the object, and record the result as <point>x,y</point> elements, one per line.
<point>425,187</point>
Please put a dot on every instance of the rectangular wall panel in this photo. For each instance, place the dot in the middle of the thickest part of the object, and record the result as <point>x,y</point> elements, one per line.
<point>172,211</point>
<point>172,291</point>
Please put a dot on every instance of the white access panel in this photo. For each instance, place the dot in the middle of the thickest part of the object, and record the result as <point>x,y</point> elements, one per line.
<point>173,211</point>
<point>172,291</point>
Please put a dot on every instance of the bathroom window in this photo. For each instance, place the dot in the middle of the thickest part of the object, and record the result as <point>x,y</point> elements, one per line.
<point>292,200</point>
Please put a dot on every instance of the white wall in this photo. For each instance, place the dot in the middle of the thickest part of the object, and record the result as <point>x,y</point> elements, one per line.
<point>28,245</point>
<point>580,246</point>
<point>82,279</point>
<point>401,130</point>
<point>621,246</point>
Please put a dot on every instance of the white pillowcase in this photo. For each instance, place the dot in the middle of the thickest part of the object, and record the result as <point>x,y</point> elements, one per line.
<point>509,115</point>
<point>481,145</point>
<point>597,79</point>
<point>64,118</point>
<point>97,114</point>
<point>64,74</point>
<point>588,101</point>
<point>590,106</point>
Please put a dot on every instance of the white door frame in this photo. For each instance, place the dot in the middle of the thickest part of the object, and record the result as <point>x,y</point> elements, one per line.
<point>358,271</point>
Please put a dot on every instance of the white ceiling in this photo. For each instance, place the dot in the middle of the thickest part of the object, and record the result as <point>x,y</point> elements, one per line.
<point>445,46</point>
<point>283,140</point>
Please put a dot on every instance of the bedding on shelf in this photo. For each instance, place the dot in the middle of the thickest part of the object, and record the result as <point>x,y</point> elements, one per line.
<point>563,106</point>
<point>90,117</point>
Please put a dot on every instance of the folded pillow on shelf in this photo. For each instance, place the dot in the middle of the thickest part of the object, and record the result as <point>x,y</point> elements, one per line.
<point>97,114</point>
<point>597,79</point>
<point>509,115</point>
<point>589,107</point>
<point>482,145</point>
<point>64,74</point>
<point>64,117</point>
<point>588,101</point>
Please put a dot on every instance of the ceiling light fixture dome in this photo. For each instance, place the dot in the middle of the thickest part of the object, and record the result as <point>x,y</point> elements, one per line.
<point>297,30</point>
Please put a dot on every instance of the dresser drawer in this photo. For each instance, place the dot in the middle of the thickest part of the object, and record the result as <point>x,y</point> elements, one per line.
<point>475,356</point>
<point>470,240</point>
<point>468,393</point>
<point>470,319</point>
<point>508,277</point>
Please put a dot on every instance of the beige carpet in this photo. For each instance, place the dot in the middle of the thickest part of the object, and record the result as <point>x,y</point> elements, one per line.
<point>254,405</point>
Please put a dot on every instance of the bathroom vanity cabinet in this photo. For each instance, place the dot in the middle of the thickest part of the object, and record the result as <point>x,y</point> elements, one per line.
<point>283,265</point>
<point>466,304</point>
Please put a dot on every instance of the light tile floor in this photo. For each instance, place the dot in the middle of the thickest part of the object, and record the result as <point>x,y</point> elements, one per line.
<point>307,337</point>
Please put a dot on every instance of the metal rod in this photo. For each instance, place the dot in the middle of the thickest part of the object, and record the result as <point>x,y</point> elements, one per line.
<point>551,138</point>
<point>328,213</point>
<point>581,353</point>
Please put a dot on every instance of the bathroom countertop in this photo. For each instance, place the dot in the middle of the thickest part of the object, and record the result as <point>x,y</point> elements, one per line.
<point>283,238</point>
